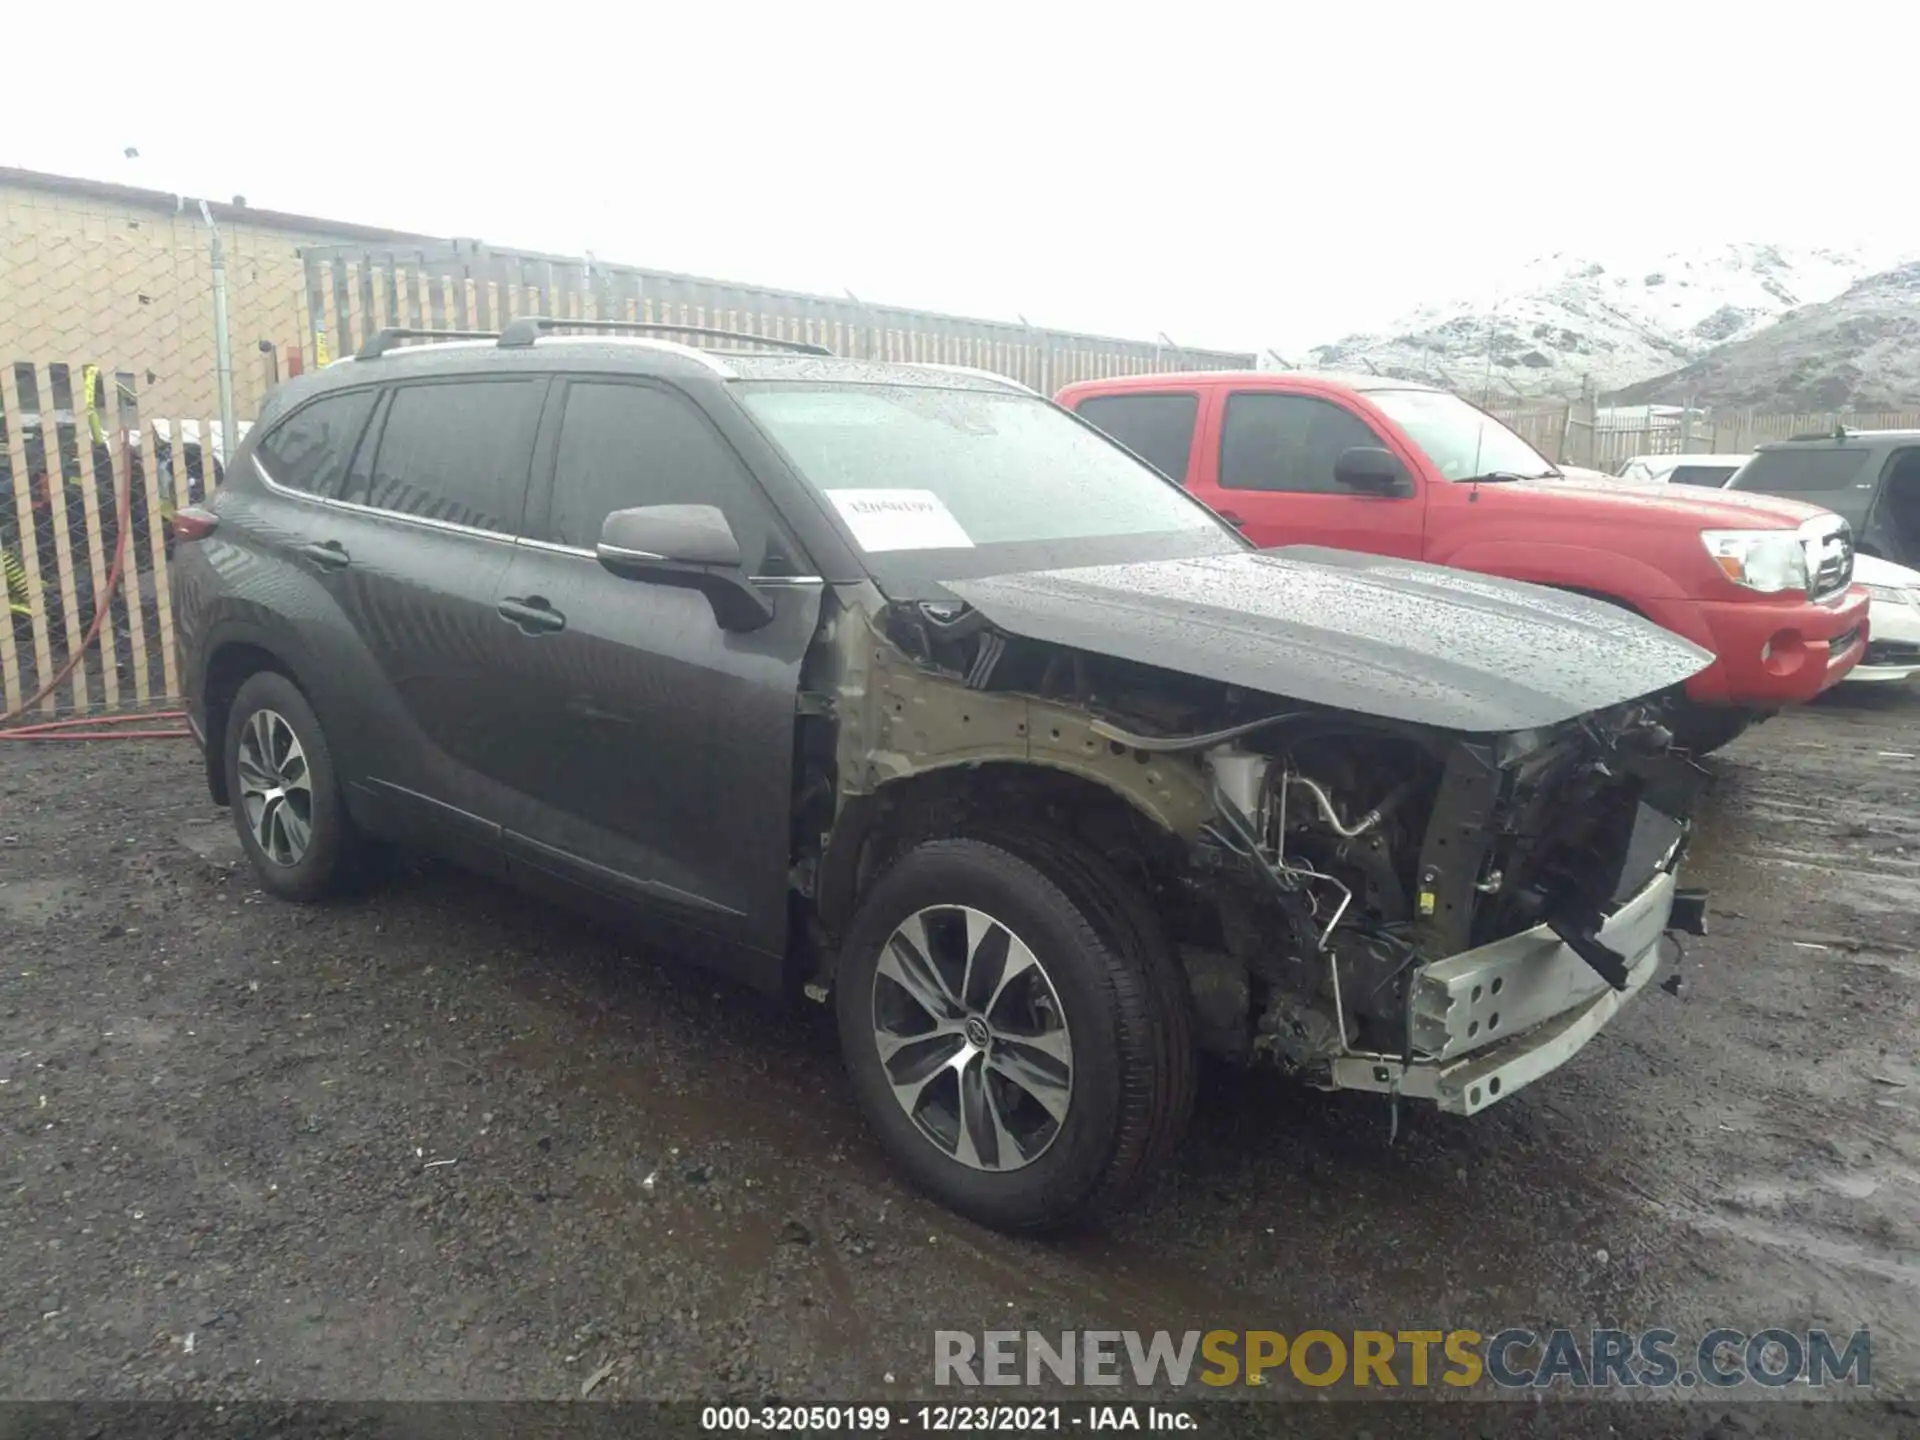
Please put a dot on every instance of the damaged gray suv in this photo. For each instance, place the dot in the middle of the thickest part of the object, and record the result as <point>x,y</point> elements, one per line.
<point>900,687</point>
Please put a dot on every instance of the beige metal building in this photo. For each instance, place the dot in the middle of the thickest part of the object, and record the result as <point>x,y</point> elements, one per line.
<point>121,277</point>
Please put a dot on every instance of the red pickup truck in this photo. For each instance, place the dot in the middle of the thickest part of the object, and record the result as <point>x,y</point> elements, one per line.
<point>1397,468</point>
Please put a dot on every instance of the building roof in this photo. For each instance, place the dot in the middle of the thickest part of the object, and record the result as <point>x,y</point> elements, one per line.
<point>170,203</point>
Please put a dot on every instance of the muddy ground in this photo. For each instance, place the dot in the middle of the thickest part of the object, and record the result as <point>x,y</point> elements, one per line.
<point>443,1141</point>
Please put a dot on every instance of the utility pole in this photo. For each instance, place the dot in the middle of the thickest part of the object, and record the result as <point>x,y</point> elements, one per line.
<point>222,347</point>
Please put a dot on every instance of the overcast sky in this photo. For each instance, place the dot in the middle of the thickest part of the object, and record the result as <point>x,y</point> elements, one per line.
<point>1246,176</point>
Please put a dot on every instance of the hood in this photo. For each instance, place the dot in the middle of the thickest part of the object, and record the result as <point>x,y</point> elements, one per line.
<point>1396,639</point>
<point>1872,570</point>
<point>1697,506</point>
<point>1580,472</point>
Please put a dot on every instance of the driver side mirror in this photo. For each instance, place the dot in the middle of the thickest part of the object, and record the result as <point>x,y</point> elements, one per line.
<point>1372,470</point>
<point>690,547</point>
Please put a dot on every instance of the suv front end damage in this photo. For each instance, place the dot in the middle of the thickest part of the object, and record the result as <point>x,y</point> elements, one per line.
<point>1367,900</point>
<point>1488,909</point>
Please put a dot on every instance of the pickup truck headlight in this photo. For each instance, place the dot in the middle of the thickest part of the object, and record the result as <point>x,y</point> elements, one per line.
<point>1769,561</point>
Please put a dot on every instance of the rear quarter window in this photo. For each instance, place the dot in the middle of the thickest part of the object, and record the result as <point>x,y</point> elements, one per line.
<point>1800,472</point>
<point>1157,428</point>
<point>309,450</point>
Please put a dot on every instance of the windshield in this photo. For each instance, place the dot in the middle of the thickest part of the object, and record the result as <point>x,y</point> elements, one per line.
<point>950,483</point>
<point>1461,441</point>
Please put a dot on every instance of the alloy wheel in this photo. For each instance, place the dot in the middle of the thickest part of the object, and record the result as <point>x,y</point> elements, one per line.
<point>972,1037</point>
<point>275,787</point>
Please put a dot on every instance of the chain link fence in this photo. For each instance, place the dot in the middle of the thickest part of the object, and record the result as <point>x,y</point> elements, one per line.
<point>89,487</point>
<point>111,382</point>
<point>108,382</point>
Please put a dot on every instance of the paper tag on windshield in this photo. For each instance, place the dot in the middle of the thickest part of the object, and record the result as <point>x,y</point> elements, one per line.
<point>899,520</point>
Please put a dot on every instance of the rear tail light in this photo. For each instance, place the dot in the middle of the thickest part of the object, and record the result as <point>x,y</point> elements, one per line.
<point>193,523</point>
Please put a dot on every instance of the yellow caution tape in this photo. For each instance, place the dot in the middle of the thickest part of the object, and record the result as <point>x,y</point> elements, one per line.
<point>90,378</point>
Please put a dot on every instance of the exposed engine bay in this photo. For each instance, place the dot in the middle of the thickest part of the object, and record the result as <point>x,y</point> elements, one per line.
<point>1345,854</point>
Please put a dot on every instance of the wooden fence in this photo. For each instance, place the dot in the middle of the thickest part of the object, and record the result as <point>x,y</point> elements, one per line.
<point>74,442</point>
<point>76,459</point>
<point>1568,433</point>
<point>352,291</point>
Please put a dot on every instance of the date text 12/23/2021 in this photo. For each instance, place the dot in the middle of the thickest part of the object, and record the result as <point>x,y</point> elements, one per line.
<point>960,1419</point>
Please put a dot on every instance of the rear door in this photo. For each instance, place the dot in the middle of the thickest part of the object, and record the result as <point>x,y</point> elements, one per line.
<point>658,749</point>
<point>1161,427</point>
<point>1272,474</point>
<point>414,552</point>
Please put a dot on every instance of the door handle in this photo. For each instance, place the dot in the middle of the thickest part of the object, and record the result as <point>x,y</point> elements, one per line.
<point>1232,519</point>
<point>327,554</point>
<point>532,614</point>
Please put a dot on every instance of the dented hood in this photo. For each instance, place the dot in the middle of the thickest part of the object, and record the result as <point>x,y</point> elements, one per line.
<point>1390,638</point>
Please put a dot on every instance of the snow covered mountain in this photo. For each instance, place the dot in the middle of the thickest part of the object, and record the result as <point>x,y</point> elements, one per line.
<point>1859,350</point>
<point>1566,320</point>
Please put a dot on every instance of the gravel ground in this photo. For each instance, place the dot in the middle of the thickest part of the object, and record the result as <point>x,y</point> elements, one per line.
<point>445,1142</point>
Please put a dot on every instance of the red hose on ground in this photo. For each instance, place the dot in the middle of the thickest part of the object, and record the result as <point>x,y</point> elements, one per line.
<point>80,729</point>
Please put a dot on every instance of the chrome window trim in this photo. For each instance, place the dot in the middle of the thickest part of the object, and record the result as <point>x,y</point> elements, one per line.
<point>498,536</point>
<point>353,507</point>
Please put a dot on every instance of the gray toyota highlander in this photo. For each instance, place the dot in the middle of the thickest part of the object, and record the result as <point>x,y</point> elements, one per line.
<point>899,687</point>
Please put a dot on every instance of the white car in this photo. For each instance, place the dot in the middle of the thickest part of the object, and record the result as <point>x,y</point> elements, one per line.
<point>1712,471</point>
<point>1893,620</point>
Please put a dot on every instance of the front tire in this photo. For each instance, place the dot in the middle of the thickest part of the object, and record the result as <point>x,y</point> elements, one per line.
<point>1015,1030</point>
<point>284,792</point>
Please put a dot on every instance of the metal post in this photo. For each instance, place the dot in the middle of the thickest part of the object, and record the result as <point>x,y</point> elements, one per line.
<point>222,342</point>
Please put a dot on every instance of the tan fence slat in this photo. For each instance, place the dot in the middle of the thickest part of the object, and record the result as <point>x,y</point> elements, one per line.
<point>29,534</point>
<point>97,557</point>
<point>72,622</point>
<point>12,683</point>
<point>11,690</point>
<point>157,547</point>
<point>121,477</point>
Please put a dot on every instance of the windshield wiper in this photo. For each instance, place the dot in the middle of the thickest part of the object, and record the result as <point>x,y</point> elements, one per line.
<point>1500,477</point>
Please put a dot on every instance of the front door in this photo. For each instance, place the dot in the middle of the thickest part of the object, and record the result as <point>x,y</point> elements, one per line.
<point>659,749</point>
<point>1272,476</point>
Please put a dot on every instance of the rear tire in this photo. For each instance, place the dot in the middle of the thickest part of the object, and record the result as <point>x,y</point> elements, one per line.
<point>1111,1066</point>
<point>1701,730</point>
<point>285,794</point>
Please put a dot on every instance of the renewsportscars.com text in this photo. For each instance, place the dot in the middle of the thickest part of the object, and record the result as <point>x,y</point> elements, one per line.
<point>1513,1359</point>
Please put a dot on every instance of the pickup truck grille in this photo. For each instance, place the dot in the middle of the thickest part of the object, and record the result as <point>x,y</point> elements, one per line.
<point>1888,652</point>
<point>1829,543</point>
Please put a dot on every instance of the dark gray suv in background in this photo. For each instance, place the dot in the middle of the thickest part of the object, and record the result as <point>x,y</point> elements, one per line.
<point>900,686</point>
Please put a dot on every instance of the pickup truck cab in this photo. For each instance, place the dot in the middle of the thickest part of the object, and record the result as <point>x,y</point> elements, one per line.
<point>1396,468</point>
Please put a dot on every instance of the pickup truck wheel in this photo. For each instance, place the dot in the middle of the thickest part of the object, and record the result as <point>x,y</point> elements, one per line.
<point>1701,729</point>
<point>1015,1030</point>
<point>284,793</point>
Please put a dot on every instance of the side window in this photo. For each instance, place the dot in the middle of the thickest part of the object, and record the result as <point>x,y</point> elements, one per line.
<point>624,445</point>
<point>458,451</point>
<point>1287,442</point>
<point>1699,475</point>
<point>310,448</point>
<point>1157,428</point>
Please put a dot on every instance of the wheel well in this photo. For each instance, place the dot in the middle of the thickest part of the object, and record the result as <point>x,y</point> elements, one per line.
<point>228,668</point>
<point>874,830</point>
<point>1603,598</point>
